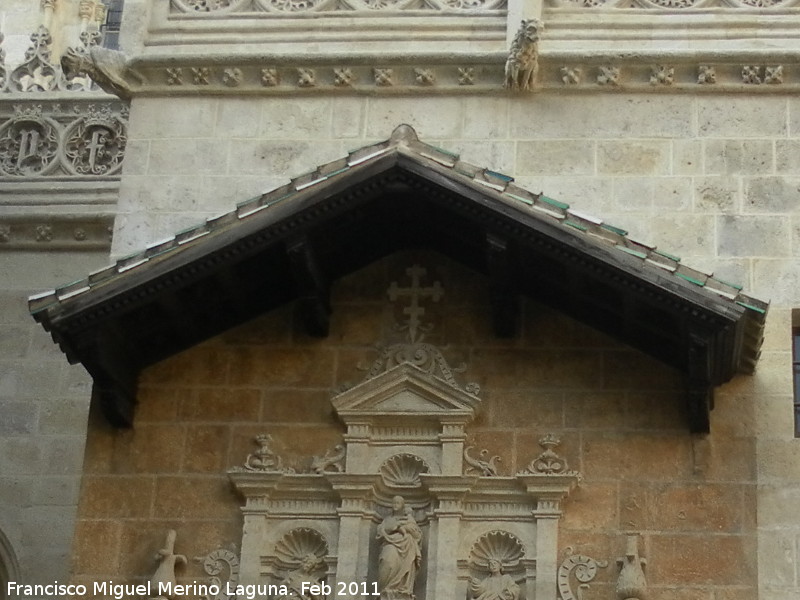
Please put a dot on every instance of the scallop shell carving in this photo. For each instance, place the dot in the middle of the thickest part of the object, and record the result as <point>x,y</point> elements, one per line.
<point>402,470</point>
<point>496,545</point>
<point>299,543</point>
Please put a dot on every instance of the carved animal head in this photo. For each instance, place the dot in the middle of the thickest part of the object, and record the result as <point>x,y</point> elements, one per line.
<point>76,61</point>
<point>531,28</point>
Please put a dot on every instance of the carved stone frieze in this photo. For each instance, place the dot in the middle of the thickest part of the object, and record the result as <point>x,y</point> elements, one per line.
<point>661,75</point>
<point>209,7</point>
<point>677,5</point>
<point>570,76</point>
<point>608,76</point>
<point>69,139</point>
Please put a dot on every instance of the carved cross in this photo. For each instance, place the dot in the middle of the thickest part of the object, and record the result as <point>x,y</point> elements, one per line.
<point>415,293</point>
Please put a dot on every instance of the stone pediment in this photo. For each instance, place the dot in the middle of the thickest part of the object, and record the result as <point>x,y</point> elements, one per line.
<point>405,390</point>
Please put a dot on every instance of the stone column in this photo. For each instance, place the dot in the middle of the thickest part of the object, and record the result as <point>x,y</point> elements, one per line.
<point>547,514</point>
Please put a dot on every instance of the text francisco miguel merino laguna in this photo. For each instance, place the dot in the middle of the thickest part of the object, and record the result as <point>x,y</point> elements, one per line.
<point>166,589</point>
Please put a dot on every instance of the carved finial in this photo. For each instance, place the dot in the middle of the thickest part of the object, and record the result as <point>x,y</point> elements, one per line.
<point>631,584</point>
<point>522,63</point>
<point>163,580</point>
<point>403,133</point>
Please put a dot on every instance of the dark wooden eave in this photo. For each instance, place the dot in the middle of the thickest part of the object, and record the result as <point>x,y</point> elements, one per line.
<point>290,244</point>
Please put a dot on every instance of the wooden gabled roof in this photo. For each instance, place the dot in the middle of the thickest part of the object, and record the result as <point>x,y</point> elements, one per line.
<point>288,246</point>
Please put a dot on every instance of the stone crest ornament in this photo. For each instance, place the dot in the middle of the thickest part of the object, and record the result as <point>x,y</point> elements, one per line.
<point>400,552</point>
<point>582,568</point>
<point>631,584</point>
<point>95,143</point>
<point>28,143</point>
<point>548,462</point>
<point>164,577</point>
<point>522,64</point>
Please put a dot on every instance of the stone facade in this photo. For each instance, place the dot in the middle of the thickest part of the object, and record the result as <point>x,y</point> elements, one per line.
<point>649,145</point>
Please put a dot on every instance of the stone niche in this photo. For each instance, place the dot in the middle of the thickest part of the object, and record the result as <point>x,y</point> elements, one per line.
<point>403,456</point>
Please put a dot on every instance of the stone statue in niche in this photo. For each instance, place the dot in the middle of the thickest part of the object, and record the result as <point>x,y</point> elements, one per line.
<point>309,573</point>
<point>164,577</point>
<point>401,552</point>
<point>497,586</point>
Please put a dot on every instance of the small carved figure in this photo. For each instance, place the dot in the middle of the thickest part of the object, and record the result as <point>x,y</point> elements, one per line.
<point>107,68</point>
<point>522,63</point>
<point>497,586</point>
<point>164,577</point>
<point>331,460</point>
<point>310,573</point>
<point>485,468</point>
<point>631,584</point>
<point>263,459</point>
<point>401,552</point>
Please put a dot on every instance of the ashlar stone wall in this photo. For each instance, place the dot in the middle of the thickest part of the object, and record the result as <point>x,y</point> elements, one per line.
<point>619,415</point>
<point>712,178</point>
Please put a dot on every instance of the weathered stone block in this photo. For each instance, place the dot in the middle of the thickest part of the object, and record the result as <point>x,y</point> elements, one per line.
<point>747,117</point>
<point>221,405</point>
<point>486,118</point>
<point>776,280</point>
<point>90,557</point>
<point>556,157</point>
<point>306,367</point>
<point>187,157</point>
<point>727,157</point>
<point>637,456</point>
<point>296,119</point>
<point>116,497</point>
<point>771,194</point>
<point>696,559</point>
<point>640,157</point>
<point>717,194</point>
<point>555,116</point>
<point>238,118</point>
<point>687,156</point>
<point>201,452</point>
<point>753,236</point>
<point>281,158</point>
<point>593,506</point>
<point>348,117</point>
<point>635,195</point>
<point>672,193</point>
<point>18,417</point>
<point>163,118</point>
<point>194,497</point>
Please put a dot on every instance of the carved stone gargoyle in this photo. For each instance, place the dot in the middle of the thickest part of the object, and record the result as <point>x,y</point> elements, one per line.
<point>108,68</point>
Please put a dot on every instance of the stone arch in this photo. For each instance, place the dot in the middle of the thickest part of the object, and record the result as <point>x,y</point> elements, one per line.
<point>9,567</point>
